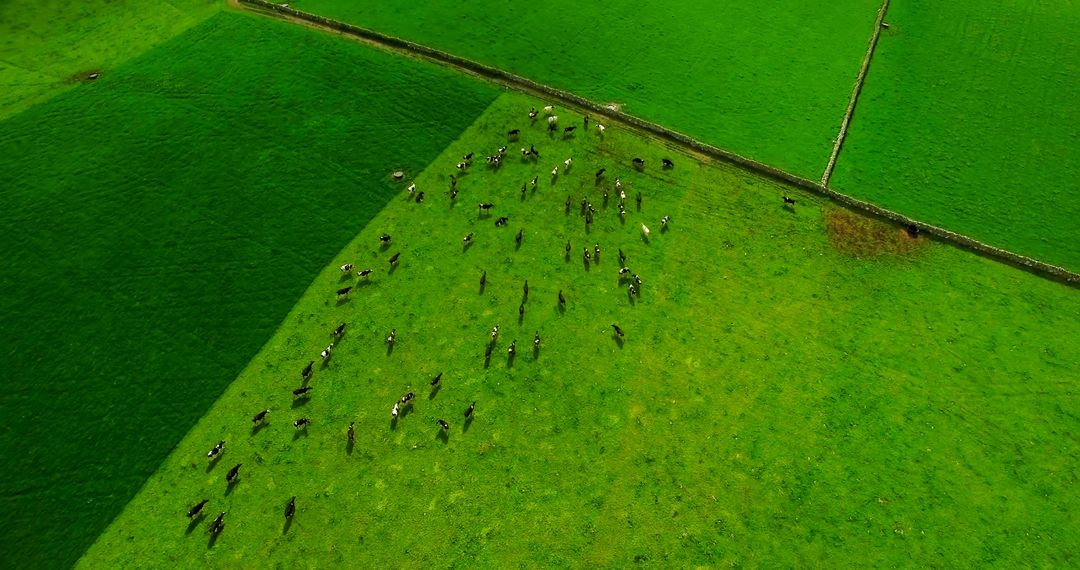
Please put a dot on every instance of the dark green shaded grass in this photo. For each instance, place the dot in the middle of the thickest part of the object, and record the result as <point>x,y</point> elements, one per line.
<point>767,81</point>
<point>777,401</point>
<point>967,120</point>
<point>158,225</point>
<point>49,46</point>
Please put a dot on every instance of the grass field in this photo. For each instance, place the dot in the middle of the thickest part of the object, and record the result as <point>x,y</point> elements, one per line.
<point>769,81</point>
<point>48,46</point>
<point>798,387</point>
<point>158,225</point>
<point>967,120</point>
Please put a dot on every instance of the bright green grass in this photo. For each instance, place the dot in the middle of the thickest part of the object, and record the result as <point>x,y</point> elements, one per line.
<point>968,120</point>
<point>776,403</point>
<point>48,46</point>
<point>159,224</point>
<point>767,80</point>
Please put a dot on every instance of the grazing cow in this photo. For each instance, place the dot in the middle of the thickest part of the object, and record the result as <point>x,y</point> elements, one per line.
<point>622,256</point>
<point>589,216</point>
<point>555,171</point>
<point>445,426</point>
<point>411,188</point>
<point>483,279</point>
<point>340,330</point>
<point>605,197</point>
<point>468,157</point>
<point>533,113</point>
<point>789,201</point>
<point>501,221</point>
<point>601,128</point>
<point>562,299</point>
<point>301,423</point>
<point>346,268</point>
<point>385,238</point>
<point>586,255</point>
<point>512,349</point>
<point>395,410</point>
<point>664,221</point>
<point>638,163</point>
<point>325,354</point>
<point>534,181</point>
<point>618,331</point>
<point>469,410</point>
<point>453,194</point>
<point>344,291</point>
<point>549,109</point>
<point>533,151</point>
<point>524,152</point>
<point>524,189</point>
<point>233,473</point>
<point>884,25</point>
<point>259,417</point>
<point>637,279</point>
<point>566,206</point>
<point>468,238</point>
<point>435,381</point>
<point>502,150</point>
<point>217,525</point>
<point>623,272</point>
<point>216,450</point>
<point>521,310</point>
<point>394,258</point>
<point>290,509</point>
<point>645,230</point>
<point>390,338</point>
<point>302,392</point>
<point>487,351</point>
<point>364,272</point>
<point>352,432</point>
<point>569,130</point>
<point>485,206</point>
<point>638,199</point>
<point>513,134</point>
<point>586,121</point>
<point>495,333</point>
<point>493,159</point>
<point>536,339</point>
<point>622,210</point>
<point>553,123</point>
<point>567,247</point>
<point>520,236</point>
<point>525,288</point>
<point>420,198</point>
<point>463,165</point>
<point>568,162</point>
<point>618,183</point>
<point>600,173</point>
<point>912,231</point>
<point>306,373</point>
<point>596,251</point>
<point>193,511</point>
<point>453,181</point>
<point>407,398</point>
<point>622,196</point>
<point>667,163</point>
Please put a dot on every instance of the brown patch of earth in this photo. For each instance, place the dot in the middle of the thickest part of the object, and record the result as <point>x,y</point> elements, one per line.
<point>865,237</point>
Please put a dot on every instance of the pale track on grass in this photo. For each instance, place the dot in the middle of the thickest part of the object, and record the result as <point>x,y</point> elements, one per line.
<point>511,81</point>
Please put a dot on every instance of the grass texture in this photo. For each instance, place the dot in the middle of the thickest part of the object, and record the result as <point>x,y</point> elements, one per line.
<point>968,120</point>
<point>158,225</point>
<point>49,46</point>
<point>796,387</point>
<point>769,81</point>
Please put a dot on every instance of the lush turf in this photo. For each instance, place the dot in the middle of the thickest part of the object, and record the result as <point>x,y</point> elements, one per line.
<point>767,80</point>
<point>158,225</point>
<point>968,120</point>
<point>796,388</point>
<point>48,46</point>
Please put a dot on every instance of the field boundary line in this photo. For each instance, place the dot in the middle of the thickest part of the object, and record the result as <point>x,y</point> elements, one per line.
<point>855,92</point>
<point>518,83</point>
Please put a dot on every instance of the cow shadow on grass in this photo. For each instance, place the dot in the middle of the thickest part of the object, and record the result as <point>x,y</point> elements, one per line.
<point>349,447</point>
<point>299,434</point>
<point>288,525</point>
<point>213,463</point>
<point>230,486</point>
<point>195,522</point>
<point>255,429</point>
<point>466,425</point>
<point>442,436</point>
<point>299,402</point>
<point>213,538</point>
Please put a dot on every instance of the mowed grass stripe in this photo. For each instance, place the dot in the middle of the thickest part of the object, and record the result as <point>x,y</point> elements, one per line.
<point>767,82</point>
<point>158,225</point>
<point>799,387</point>
<point>966,121</point>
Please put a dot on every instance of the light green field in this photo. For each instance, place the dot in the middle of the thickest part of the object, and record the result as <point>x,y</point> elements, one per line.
<point>968,120</point>
<point>49,46</point>
<point>796,388</point>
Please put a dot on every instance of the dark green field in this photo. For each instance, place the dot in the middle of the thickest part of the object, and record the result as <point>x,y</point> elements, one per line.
<point>158,225</point>
<point>799,387</point>
<point>968,120</point>
<point>767,81</point>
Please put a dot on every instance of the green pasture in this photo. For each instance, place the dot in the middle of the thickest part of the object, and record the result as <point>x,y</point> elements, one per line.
<point>48,46</point>
<point>767,80</point>
<point>158,225</point>
<point>796,387</point>
<point>968,120</point>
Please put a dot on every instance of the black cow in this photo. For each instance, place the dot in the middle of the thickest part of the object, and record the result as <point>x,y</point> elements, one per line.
<point>306,373</point>
<point>290,509</point>
<point>301,423</point>
<point>444,425</point>
<point>352,432</point>
<point>259,417</point>
<point>513,134</point>
<point>667,163</point>
<point>569,129</point>
<point>394,258</point>
<point>217,525</point>
<point>789,201</point>
<point>385,238</point>
<point>638,163</point>
<point>344,291</point>
<point>600,173</point>
<point>520,236</point>
<point>501,221</point>
<point>562,300</point>
<point>233,473</point>
<point>469,410</point>
<point>301,392</point>
<point>365,272</point>
<point>618,331</point>
<point>436,379</point>
<point>483,279</point>
<point>194,511</point>
<point>340,330</point>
